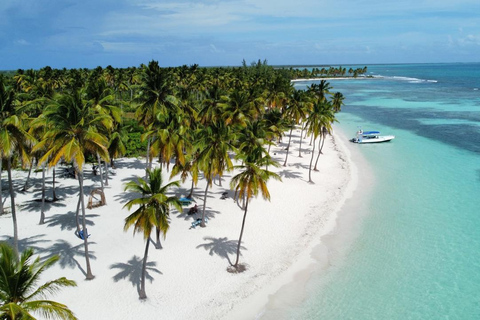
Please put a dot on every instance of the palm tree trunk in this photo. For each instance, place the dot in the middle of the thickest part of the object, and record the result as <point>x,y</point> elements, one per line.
<point>323,142</point>
<point>202,224</point>
<point>300,149</point>
<point>89,275</point>
<point>311,161</point>
<point>12,201</point>
<point>288,147</point>
<point>42,210</point>
<point>319,151</point>
<point>141,293</point>
<point>106,173</point>
<point>241,236</point>
<point>158,244</point>
<point>268,152</point>
<point>147,164</point>
<point>101,172</point>
<point>25,186</point>
<point>191,189</point>
<point>1,190</point>
<point>54,194</point>
<point>77,215</point>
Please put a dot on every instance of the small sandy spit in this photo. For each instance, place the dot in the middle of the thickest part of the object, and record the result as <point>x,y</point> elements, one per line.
<point>188,278</point>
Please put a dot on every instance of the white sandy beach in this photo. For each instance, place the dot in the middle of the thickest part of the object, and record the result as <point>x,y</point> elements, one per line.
<point>187,279</point>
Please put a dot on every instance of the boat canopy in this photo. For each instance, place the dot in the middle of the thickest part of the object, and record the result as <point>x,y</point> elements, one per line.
<point>370,132</point>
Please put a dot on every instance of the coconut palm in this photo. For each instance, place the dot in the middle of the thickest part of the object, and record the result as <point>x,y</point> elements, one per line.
<point>155,96</point>
<point>101,98</point>
<point>316,120</point>
<point>337,101</point>
<point>153,211</point>
<point>74,131</point>
<point>19,296</point>
<point>320,90</point>
<point>12,138</point>
<point>214,143</point>
<point>190,167</point>
<point>323,117</point>
<point>296,111</point>
<point>249,182</point>
<point>278,91</point>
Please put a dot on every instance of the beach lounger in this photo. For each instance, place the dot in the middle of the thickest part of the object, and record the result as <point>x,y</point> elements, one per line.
<point>185,201</point>
<point>198,222</point>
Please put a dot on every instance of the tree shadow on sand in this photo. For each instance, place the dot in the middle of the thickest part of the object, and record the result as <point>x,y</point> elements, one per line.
<point>133,271</point>
<point>288,174</point>
<point>66,221</point>
<point>36,205</point>
<point>221,247</point>
<point>124,163</point>
<point>68,254</point>
<point>30,242</point>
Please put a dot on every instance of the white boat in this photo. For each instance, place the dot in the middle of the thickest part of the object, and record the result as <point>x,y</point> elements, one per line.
<point>370,137</point>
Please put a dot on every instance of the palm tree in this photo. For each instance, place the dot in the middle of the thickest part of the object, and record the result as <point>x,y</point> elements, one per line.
<point>321,142</point>
<point>314,123</point>
<point>101,98</point>
<point>153,211</point>
<point>18,295</point>
<point>337,101</point>
<point>295,112</point>
<point>74,131</point>
<point>214,142</point>
<point>249,182</point>
<point>12,138</point>
<point>324,117</point>
<point>190,167</point>
<point>155,96</point>
<point>320,90</point>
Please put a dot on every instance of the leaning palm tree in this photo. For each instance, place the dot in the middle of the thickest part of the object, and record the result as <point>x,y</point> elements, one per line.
<point>249,182</point>
<point>153,211</point>
<point>296,111</point>
<point>314,127</point>
<point>74,131</point>
<point>13,138</point>
<point>19,297</point>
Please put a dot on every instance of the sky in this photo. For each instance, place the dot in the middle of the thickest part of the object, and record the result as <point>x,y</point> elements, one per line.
<point>123,33</point>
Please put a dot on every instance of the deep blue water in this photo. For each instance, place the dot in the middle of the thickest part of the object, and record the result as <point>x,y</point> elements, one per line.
<point>417,254</point>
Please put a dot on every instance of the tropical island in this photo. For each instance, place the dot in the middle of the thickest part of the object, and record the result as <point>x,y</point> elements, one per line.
<point>225,176</point>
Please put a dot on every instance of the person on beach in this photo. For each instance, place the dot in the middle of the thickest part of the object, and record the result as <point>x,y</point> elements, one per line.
<point>193,210</point>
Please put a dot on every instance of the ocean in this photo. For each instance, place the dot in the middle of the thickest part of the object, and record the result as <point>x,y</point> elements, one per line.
<point>416,249</point>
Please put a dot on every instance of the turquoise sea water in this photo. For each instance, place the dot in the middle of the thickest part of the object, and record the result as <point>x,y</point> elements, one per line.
<point>417,252</point>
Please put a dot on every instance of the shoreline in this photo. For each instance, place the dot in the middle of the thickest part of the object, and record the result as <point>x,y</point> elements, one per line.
<point>289,289</point>
<point>188,277</point>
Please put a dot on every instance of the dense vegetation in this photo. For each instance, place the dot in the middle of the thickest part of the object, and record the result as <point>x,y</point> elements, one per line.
<point>191,119</point>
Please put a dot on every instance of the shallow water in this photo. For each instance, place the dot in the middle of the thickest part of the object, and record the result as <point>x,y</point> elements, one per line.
<point>416,254</point>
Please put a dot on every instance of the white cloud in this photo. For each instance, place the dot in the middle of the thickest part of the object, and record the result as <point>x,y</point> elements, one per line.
<point>22,42</point>
<point>468,40</point>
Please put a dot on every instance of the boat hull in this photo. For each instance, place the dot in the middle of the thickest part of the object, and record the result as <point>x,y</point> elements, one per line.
<point>377,139</point>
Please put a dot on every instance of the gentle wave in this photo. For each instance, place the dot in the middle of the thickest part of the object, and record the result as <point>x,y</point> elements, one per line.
<point>409,79</point>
